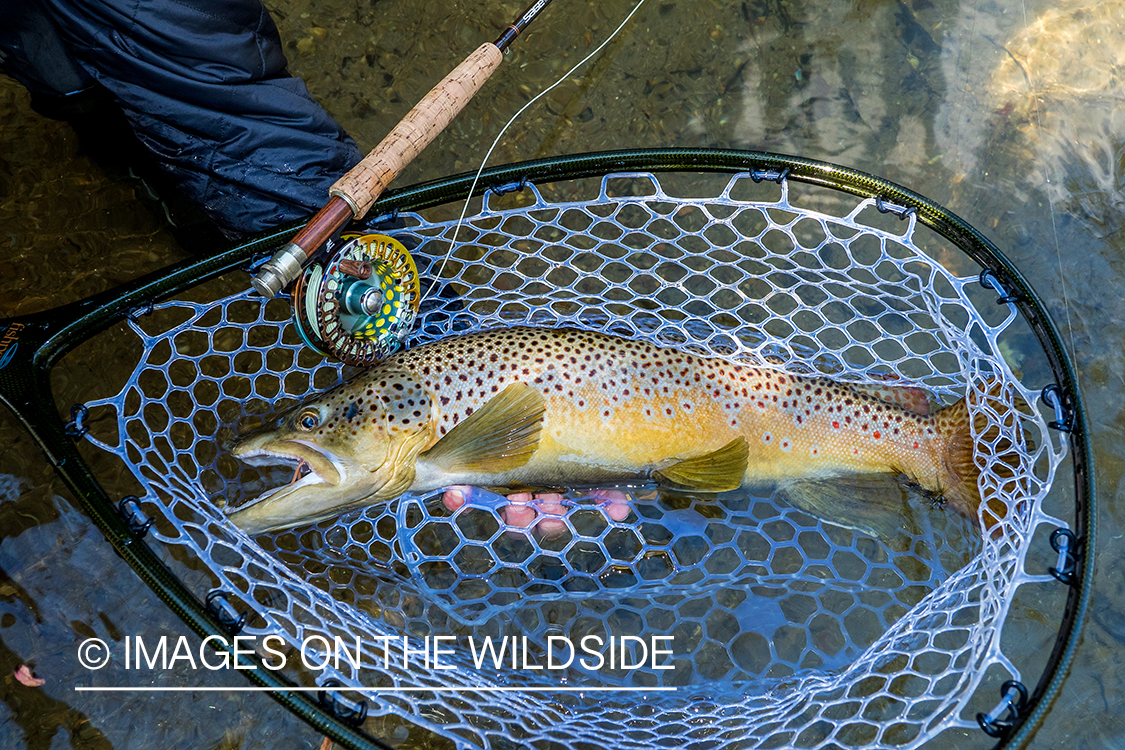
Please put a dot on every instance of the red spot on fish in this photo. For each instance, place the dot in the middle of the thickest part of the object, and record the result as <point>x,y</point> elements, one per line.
<point>877,435</point>
<point>916,444</point>
<point>835,425</point>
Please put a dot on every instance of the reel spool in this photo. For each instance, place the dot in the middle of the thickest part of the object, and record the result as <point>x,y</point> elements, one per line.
<point>359,306</point>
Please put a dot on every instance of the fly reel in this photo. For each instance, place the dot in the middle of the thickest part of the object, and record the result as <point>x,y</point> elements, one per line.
<point>359,306</point>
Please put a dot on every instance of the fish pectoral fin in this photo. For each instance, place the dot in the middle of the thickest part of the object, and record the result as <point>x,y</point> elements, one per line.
<point>500,436</point>
<point>718,471</point>
<point>872,504</point>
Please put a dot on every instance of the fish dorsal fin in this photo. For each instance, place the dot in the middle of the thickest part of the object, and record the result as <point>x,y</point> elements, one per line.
<point>500,436</point>
<point>718,471</point>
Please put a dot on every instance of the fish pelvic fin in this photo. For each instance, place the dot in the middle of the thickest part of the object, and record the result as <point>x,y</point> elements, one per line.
<point>998,446</point>
<point>718,471</point>
<point>500,436</point>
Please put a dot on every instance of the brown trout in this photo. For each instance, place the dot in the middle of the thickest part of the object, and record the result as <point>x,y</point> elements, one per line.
<point>528,407</point>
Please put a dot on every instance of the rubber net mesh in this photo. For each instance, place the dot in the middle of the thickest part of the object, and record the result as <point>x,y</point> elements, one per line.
<point>786,629</point>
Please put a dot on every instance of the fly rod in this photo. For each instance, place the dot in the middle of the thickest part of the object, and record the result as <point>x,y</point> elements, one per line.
<point>354,193</point>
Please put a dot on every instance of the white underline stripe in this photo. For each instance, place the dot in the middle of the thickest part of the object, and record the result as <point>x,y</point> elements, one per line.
<point>252,689</point>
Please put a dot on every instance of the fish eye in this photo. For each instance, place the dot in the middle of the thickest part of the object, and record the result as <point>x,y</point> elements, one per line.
<point>308,420</point>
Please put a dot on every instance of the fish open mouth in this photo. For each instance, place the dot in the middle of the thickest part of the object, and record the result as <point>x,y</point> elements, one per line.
<point>310,466</point>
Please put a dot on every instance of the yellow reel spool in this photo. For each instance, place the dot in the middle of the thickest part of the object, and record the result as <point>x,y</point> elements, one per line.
<point>360,306</point>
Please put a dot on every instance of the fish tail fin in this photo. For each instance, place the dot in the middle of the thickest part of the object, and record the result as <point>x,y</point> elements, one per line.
<point>990,437</point>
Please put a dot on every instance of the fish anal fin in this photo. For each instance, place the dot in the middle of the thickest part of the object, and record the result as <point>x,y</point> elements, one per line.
<point>718,471</point>
<point>500,436</point>
<point>872,504</point>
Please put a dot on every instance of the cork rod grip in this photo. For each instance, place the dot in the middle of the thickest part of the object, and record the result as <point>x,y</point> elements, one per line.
<point>366,181</point>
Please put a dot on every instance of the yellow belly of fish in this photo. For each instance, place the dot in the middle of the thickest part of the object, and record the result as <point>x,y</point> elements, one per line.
<point>638,436</point>
<point>616,408</point>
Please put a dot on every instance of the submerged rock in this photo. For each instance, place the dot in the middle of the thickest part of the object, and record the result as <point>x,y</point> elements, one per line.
<point>1059,99</point>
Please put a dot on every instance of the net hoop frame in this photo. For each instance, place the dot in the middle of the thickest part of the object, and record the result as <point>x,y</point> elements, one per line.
<point>38,341</point>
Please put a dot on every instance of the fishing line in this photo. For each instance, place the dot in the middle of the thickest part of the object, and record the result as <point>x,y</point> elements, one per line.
<point>465,207</point>
<point>1050,200</point>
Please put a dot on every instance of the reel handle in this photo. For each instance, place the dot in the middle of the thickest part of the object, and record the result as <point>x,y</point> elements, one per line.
<point>355,192</point>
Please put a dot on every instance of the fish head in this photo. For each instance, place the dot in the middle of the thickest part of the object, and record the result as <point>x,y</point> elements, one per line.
<point>359,440</point>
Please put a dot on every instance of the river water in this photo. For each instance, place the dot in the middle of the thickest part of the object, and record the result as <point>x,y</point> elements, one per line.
<point>1009,113</point>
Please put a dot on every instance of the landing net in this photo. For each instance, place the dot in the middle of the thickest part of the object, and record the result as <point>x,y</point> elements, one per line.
<point>785,629</point>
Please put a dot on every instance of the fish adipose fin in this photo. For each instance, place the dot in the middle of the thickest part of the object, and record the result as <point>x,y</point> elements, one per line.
<point>872,504</point>
<point>915,400</point>
<point>500,436</point>
<point>718,471</point>
<point>999,446</point>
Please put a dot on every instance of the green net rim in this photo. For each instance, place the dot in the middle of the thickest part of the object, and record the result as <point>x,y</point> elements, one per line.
<point>42,339</point>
